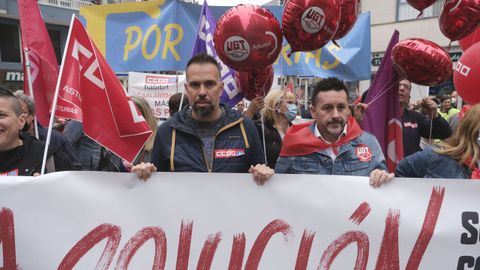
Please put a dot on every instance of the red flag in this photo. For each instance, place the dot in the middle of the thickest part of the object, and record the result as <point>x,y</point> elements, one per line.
<point>90,92</point>
<point>44,65</point>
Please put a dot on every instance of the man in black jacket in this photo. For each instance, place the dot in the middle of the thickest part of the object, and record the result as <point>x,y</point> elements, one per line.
<point>416,125</point>
<point>22,155</point>
<point>206,136</point>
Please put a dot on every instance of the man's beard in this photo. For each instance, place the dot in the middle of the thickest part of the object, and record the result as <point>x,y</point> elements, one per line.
<point>341,122</point>
<point>203,111</point>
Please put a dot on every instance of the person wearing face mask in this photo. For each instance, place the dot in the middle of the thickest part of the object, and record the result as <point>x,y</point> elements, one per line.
<point>454,96</point>
<point>278,113</point>
<point>456,157</point>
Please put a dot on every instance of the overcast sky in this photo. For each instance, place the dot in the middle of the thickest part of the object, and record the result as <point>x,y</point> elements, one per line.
<point>233,2</point>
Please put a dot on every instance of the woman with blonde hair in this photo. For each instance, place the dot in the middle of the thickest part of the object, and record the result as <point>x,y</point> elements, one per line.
<point>456,157</point>
<point>279,111</point>
<point>146,111</point>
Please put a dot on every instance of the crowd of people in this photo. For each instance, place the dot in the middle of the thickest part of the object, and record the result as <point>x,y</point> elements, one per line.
<point>262,139</point>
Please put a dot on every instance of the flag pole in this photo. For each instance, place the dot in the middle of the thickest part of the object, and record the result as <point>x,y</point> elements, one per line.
<point>30,86</point>
<point>55,98</point>
<point>305,104</point>
<point>176,79</point>
<point>181,100</point>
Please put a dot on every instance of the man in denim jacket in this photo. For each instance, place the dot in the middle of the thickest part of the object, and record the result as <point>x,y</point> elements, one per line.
<point>333,144</point>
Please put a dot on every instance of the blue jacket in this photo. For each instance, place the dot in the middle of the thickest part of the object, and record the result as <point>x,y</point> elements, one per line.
<point>347,161</point>
<point>87,150</point>
<point>58,142</point>
<point>177,146</point>
<point>430,164</point>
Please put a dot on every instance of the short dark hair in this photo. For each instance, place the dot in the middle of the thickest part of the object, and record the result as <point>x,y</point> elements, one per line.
<point>445,97</point>
<point>174,103</point>
<point>203,58</point>
<point>327,84</point>
<point>7,94</point>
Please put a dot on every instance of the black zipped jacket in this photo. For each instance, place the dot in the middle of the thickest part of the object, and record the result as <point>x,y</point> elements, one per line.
<point>27,158</point>
<point>177,146</point>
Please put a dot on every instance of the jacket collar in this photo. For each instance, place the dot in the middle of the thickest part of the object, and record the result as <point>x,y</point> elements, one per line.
<point>300,139</point>
<point>180,120</point>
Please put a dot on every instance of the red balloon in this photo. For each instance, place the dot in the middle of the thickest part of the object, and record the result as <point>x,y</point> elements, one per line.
<point>348,17</point>
<point>310,24</point>
<point>459,18</point>
<point>469,40</point>
<point>466,76</point>
<point>255,83</point>
<point>422,61</point>
<point>248,37</point>
<point>420,5</point>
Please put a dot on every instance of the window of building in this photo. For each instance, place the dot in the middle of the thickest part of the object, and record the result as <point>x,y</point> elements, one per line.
<point>9,43</point>
<point>55,38</point>
<point>406,12</point>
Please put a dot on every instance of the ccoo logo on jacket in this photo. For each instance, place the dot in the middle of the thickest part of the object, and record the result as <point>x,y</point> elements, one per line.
<point>229,153</point>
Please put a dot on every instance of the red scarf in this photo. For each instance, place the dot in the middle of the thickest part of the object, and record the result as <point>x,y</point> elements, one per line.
<point>300,139</point>
<point>473,168</point>
<point>463,111</point>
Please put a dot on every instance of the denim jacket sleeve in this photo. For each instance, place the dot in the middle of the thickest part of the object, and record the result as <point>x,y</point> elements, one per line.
<point>73,131</point>
<point>415,165</point>
<point>284,165</point>
<point>379,158</point>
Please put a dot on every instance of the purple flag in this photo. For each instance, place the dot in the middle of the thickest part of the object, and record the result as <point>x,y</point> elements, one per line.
<point>204,44</point>
<point>382,117</point>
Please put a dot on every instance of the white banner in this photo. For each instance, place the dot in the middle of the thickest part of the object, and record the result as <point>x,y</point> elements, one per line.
<point>156,89</point>
<point>95,220</point>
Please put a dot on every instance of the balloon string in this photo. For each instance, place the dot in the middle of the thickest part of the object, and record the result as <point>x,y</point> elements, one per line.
<point>262,119</point>
<point>420,92</point>
<point>383,91</point>
<point>431,116</point>
<point>431,127</point>
<point>419,15</point>
<point>264,91</point>
<point>262,116</point>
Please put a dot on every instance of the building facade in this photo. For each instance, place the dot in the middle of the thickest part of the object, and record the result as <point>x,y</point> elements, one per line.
<point>57,15</point>
<point>386,16</point>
